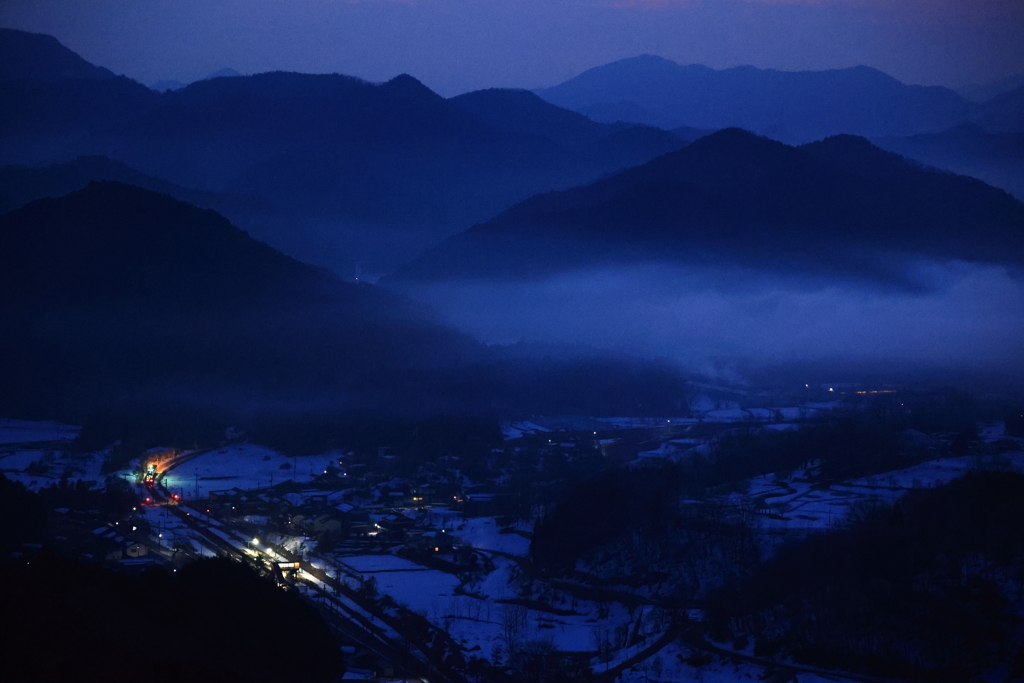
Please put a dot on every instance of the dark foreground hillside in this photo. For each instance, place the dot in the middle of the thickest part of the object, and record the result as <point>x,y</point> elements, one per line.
<point>213,620</point>
<point>115,295</point>
<point>926,590</point>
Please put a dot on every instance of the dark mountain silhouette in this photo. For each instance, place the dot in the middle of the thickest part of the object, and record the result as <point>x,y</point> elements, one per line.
<point>523,112</point>
<point>615,145</point>
<point>835,206</point>
<point>37,57</point>
<point>125,305</point>
<point>996,158</point>
<point>1003,113</point>
<point>20,185</point>
<point>791,106</point>
<point>358,171</point>
<point>982,92</point>
<point>115,296</point>
<point>226,72</point>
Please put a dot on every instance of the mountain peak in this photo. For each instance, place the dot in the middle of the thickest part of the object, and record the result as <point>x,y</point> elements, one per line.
<point>408,87</point>
<point>406,82</point>
<point>734,141</point>
<point>732,135</point>
<point>793,106</point>
<point>222,73</point>
<point>855,154</point>
<point>737,198</point>
<point>647,60</point>
<point>111,233</point>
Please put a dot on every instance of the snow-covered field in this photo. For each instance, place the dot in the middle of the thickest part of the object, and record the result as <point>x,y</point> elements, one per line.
<point>23,442</point>
<point>85,466</point>
<point>667,666</point>
<point>483,533</point>
<point>475,617</point>
<point>24,431</point>
<point>378,563</point>
<point>243,466</point>
<point>796,504</point>
<point>514,430</point>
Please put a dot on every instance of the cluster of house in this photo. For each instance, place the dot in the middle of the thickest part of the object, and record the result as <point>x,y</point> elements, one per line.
<point>352,520</point>
<point>113,542</point>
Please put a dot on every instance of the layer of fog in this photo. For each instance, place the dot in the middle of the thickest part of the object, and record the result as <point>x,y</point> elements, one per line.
<point>960,315</point>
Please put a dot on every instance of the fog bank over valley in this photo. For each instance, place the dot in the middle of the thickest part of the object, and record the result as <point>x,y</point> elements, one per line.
<point>958,316</point>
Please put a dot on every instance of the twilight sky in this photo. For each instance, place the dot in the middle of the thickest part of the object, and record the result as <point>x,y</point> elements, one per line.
<point>458,45</point>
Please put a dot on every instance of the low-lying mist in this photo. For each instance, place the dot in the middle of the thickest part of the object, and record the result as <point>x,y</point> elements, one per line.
<point>957,316</point>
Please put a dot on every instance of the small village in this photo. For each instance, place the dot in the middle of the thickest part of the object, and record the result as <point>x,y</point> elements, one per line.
<point>434,557</point>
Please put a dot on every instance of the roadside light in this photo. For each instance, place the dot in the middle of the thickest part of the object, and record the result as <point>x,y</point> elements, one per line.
<point>255,541</point>
<point>160,535</point>
<point>134,528</point>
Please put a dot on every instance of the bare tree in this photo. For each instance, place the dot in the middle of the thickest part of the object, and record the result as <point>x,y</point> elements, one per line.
<point>603,644</point>
<point>513,623</point>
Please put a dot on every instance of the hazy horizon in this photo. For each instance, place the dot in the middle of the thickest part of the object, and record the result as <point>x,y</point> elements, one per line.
<point>455,46</point>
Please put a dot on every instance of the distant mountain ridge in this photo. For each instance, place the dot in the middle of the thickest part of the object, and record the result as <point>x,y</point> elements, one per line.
<point>982,92</point>
<point>790,106</point>
<point>20,185</point>
<point>357,171</point>
<point>835,206</point>
<point>1004,113</point>
<point>995,158</point>
<point>523,112</point>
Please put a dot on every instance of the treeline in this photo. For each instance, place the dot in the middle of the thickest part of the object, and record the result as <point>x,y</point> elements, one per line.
<point>116,497</point>
<point>916,591</point>
<point>630,528</point>
<point>22,516</point>
<point>843,447</point>
<point>602,508</point>
<point>598,510</point>
<point>631,523</point>
<point>862,440</point>
<point>213,620</point>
